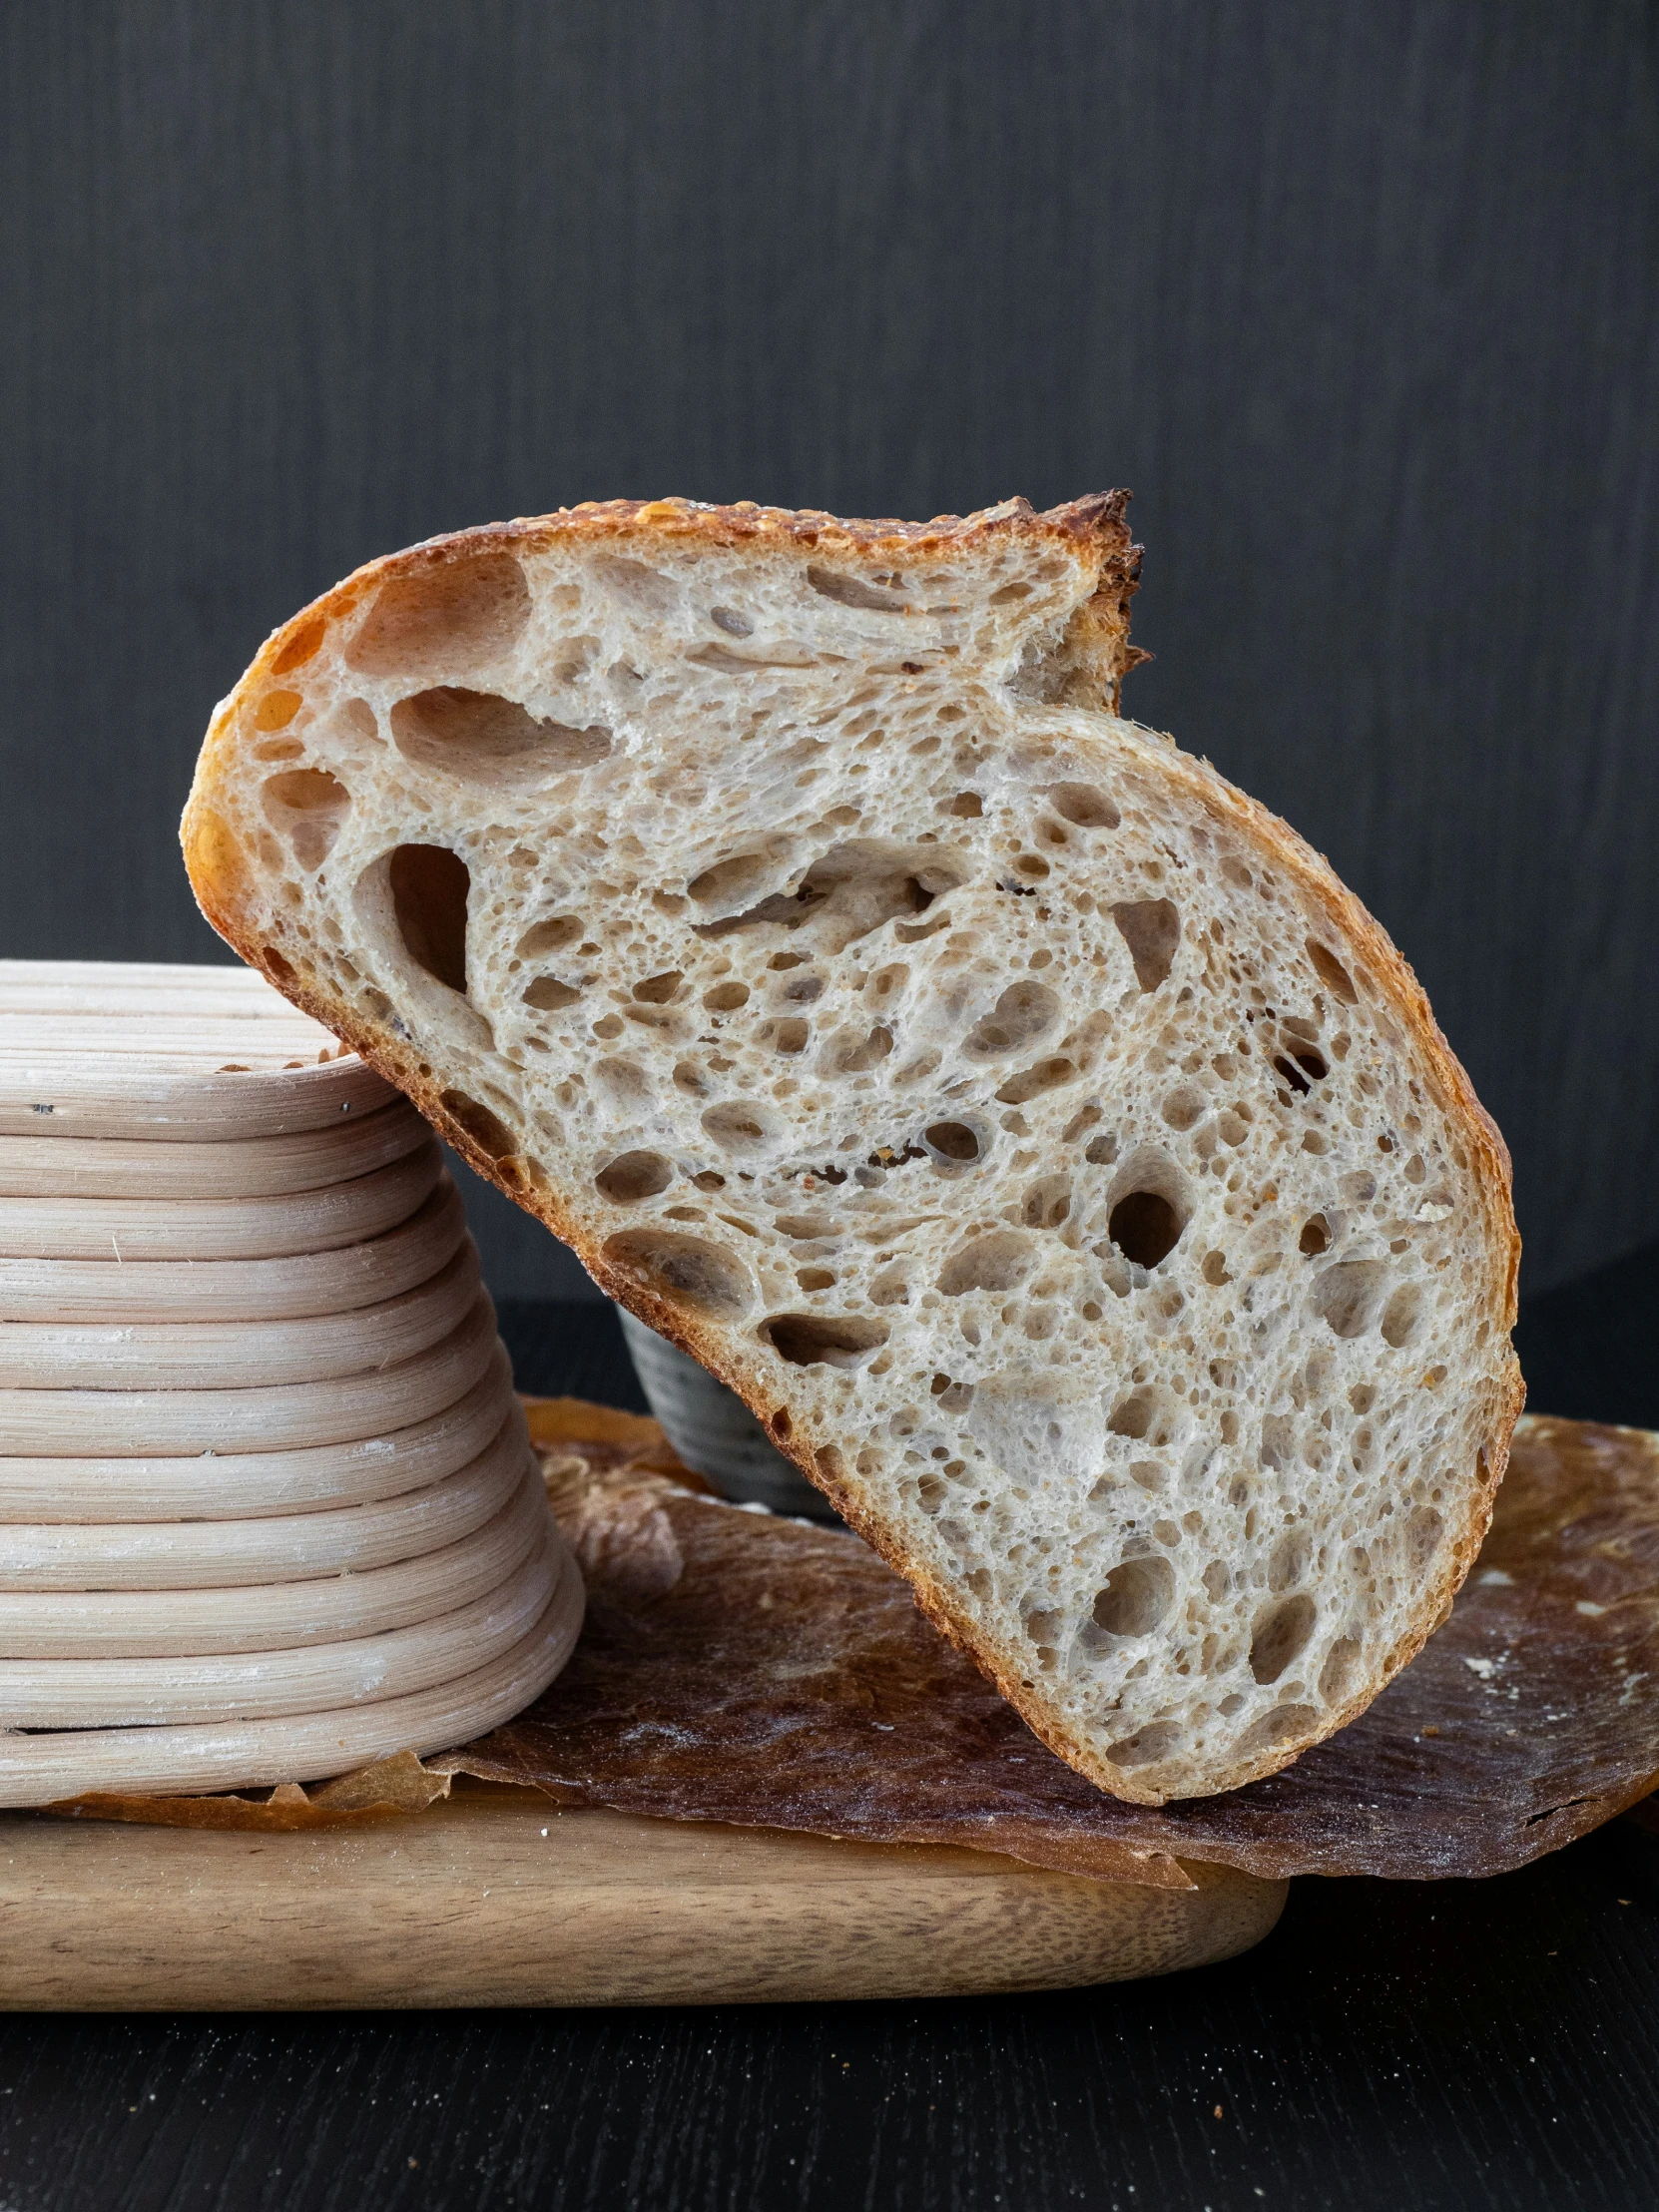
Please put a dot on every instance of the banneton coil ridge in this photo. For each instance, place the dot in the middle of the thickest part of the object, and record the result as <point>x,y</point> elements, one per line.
<point>268,1505</point>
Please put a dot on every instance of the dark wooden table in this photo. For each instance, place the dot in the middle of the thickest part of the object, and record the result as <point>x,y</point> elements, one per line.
<point>1451,2045</point>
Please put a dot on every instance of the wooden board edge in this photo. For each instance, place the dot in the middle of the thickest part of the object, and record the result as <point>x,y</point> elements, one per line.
<point>521,1905</point>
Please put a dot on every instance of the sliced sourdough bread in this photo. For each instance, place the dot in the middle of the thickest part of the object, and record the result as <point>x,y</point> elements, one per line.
<point>1052,1152</point>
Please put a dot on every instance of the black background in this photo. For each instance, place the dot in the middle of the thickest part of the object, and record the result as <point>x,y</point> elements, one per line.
<point>1359,299</point>
<point>1362,300</point>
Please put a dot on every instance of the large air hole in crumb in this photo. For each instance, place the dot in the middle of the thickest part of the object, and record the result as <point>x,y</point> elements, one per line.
<point>1147,1746</point>
<point>1279,1727</point>
<point>681,1269</point>
<point>1136,1597</point>
<point>951,1144</point>
<point>1147,1415</point>
<point>852,591</point>
<point>1151,929</point>
<point>1278,1444</point>
<point>553,935</point>
<point>642,586</point>
<point>728,880</point>
<point>446,618</point>
<point>626,1082</point>
<point>1148,1207</point>
<point>302,644</point>
<point>998,1262</point>
<point>1347,1295</point>
<point>633,1175</point>
<point>429,890</point>
<point>1047,1202</point>
<point>490,740</point>
<point>807,1227</point>
<point>1301,1069</point>
<point>824,1340</point>
<point>849,891</point>
<point>277,709</point>
<point>485,1131</point>
<point>1423,1536</point>
<point>657,990</point>
<point>1337,1674</point>
<point>1401,1314</point>
<point>1084,806</point>
<point>1315,1237</point>
<point>1020,1016</point>
<point>1280,1634</point>
<point>854,1055</point>
<point>1145,1226</point>
<point>547,995</point>
<point>1185,1107</point>
<point>306,805</point>
<point>1047,1075</point>
<point>1331,972</point>
<point>740,1126</point>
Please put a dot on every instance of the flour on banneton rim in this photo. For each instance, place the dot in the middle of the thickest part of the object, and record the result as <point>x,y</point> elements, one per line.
<point>1055,1155</point>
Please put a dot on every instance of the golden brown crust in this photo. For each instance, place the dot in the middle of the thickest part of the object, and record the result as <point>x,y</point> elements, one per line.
<point>1093,532</point>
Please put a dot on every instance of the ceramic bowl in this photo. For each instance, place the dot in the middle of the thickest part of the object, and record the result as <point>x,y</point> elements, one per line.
<point>714,1431</point>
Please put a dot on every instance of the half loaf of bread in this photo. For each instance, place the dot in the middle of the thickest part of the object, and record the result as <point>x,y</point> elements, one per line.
<point>1032,1128</point>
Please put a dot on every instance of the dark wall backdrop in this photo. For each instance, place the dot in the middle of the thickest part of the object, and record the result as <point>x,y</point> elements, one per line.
<point>1361,300</point>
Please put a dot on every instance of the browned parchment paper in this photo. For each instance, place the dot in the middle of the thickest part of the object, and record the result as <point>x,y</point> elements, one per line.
<point>377,1793</point>
<point>760,1671</point>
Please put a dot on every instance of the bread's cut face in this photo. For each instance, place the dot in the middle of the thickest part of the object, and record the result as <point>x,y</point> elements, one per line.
<point>1034,1131</point>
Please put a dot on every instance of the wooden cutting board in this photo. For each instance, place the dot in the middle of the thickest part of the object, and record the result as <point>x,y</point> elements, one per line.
<point>498,1899</point>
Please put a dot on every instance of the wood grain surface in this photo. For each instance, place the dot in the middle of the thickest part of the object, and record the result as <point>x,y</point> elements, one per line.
<point>503,1899</point>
